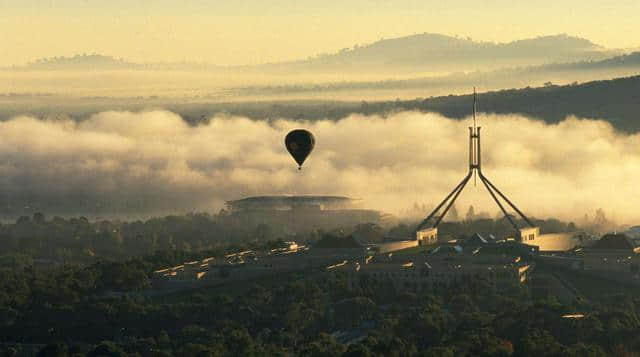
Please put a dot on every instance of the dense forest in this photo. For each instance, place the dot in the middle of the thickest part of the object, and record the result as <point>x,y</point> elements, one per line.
<point>68,311</point>
<point>76,287</point>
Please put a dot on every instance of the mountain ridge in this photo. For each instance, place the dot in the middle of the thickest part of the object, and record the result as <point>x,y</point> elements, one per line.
<point>436,52</point>
<point>417,49</point>
<point>616,101</point>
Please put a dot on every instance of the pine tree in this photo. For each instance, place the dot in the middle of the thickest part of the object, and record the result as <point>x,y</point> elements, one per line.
<point>470,213</point>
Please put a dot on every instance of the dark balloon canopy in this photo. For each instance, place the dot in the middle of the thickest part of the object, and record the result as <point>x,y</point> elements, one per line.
<point>299,143</point>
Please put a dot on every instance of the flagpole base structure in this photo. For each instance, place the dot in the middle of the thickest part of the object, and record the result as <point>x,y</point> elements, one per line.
<point>427,230</point>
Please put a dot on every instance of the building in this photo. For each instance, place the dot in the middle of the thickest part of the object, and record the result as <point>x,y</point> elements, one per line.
<point>528,234</point>
<point>248,265</point>
<point>287,202</point>
<point>392,246</point>
<point>294,214</point>
<point>475,241</point>
<point>612,253</point>
<point>554,242</point>
<point>433,272</point>
<point>193,270</point>
<point>427,236</point>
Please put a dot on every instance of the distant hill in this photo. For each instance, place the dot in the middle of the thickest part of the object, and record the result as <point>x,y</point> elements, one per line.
<point>82,62</point>
<point>613,67</point>
<point>423,52</point>
<point>625,60</point>
<point>97,62</point>
<point>616,101</point>
<point>438,52</point>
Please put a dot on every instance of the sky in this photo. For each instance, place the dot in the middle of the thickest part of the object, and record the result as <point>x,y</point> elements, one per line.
<point>258,31</point>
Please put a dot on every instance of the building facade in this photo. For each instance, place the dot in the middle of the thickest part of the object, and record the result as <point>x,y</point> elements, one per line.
<point>432,273</point>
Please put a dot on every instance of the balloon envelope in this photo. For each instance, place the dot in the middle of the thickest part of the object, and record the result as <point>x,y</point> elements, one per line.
<point>299,143</point>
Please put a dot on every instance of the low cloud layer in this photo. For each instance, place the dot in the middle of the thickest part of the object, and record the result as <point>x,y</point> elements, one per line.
<point>141,164</point>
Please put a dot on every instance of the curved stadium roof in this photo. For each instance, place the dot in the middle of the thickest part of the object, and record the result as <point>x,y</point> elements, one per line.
<point>289,200</point>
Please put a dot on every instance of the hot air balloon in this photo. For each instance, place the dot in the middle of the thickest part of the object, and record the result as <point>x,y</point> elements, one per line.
<point>299,143</point>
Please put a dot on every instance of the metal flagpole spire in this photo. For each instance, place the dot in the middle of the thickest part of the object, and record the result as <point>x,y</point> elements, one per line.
<point>475,134</point>
<point>474,108</point>
<point>475,169</point>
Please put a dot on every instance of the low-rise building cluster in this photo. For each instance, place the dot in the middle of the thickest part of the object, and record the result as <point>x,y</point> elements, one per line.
<point>438,269</point>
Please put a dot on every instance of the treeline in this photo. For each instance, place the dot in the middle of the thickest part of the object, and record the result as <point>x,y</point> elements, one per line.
<point>311,316</point>
<point>43,241</point>
<point>39,241</point>
<point>615,101</point>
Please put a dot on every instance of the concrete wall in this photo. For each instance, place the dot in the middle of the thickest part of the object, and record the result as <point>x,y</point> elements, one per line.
<point>529,234</point>
<point>554,241</point>
<point>418,278</point>
<point>393,246</point>
<point>427,236</point>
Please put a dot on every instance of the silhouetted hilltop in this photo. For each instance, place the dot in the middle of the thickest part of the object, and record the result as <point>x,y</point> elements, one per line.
<point>99,62</point>
<point>82,61</point>
<point>616,101</point>
<point>441,52</point>
<point>625,60</point>
<point>608,68</point>
<point>424,52</point>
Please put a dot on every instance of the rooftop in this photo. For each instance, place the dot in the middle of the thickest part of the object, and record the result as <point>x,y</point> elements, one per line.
<point>614,241</point>
<point>291,201</point>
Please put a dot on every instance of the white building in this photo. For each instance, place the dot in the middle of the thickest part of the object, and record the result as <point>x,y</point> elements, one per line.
<point>427,236</point>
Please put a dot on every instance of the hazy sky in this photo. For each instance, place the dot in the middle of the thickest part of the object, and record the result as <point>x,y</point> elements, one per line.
<point>256,31</point>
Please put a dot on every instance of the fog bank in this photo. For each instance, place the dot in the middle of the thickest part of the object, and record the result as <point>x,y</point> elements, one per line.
<point>146,163</point>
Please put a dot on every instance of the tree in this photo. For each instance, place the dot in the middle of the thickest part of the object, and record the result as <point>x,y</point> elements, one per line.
<point>10,352</point>
<point>357,350</point>
<point>453,213</point>
<point>196,350</point>
<point>484,343</point>
<point>401,230</point>
<point>470,213</point>
<point>54,350</point>
<point>437,352</point>
<point>600,217</point>
<point>263,232</point>
<point>324,346</point>
<point>38,217</point>
<point>238,342</point>
<point>106,349</point>
<point>7,316</point>
<point>352,312</point>
<point>368,232</point>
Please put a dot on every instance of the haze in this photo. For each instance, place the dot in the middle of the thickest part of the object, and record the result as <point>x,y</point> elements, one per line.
<point>146,163</point>
<point>253,32</point>
<point>113,108</point>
